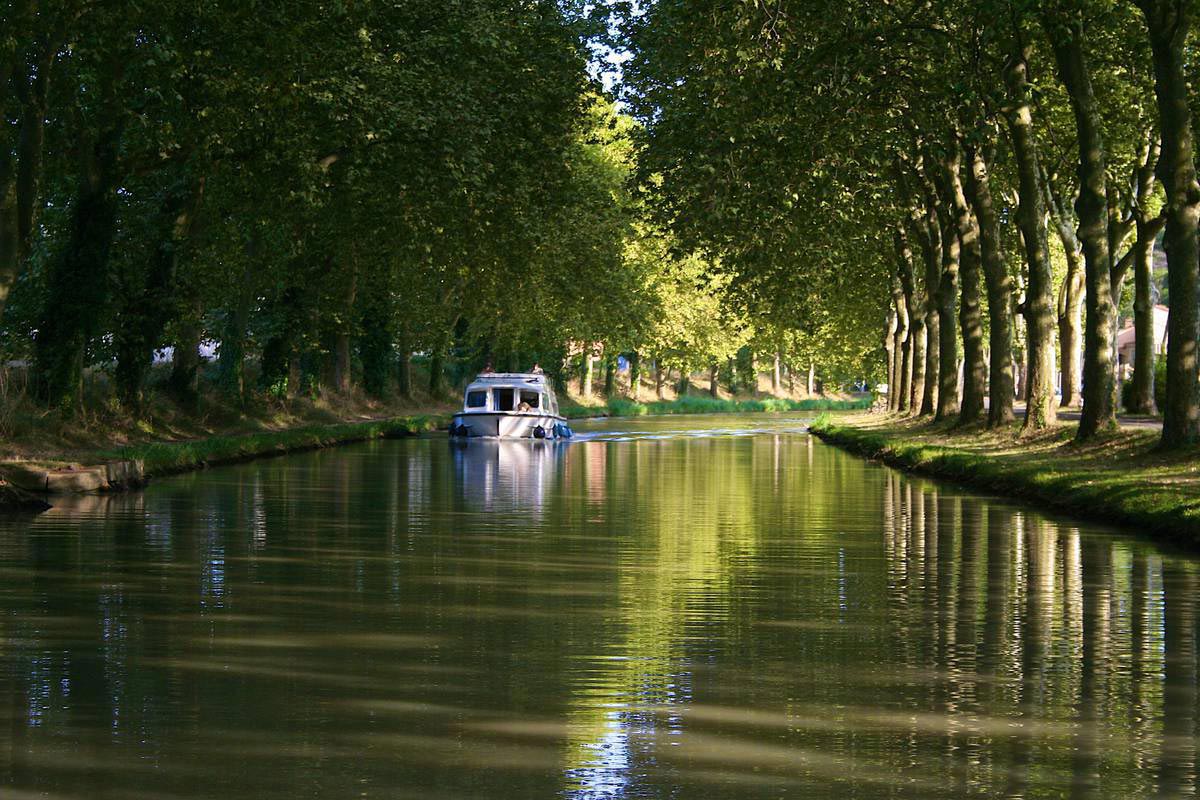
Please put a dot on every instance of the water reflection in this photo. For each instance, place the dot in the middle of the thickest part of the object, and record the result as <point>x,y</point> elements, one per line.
<point>1095,633</point>
<point>649,612</point>
<point>500,475</point>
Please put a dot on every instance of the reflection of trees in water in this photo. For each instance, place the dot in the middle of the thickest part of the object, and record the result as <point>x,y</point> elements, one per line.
<point>1084,644</point>
<point>114,672</point>
<point>690,510</point>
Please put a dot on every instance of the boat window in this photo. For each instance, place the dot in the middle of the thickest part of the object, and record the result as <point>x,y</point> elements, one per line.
<point>476,399</point>
<point>503,398</point>
<point>532,398</point>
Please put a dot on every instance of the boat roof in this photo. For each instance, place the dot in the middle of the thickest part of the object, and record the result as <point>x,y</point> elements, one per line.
<point>510,379</point>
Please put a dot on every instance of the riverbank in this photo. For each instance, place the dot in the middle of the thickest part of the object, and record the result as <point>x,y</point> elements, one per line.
<point>132,465</point>
<point>166,458</point>
<point>1119,478</point>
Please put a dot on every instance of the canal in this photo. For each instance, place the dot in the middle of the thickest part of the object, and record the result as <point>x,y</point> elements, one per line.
<point>687,607</point>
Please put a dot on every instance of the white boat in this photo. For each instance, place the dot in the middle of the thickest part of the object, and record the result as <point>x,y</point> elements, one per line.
<point>510,405</point>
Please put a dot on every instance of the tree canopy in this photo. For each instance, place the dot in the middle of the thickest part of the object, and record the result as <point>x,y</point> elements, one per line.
<point>321,192</point>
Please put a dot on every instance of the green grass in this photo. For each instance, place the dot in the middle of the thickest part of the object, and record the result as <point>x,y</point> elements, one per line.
<point>620,407</point>
<point>1121,479</point>
<point>164,458</point>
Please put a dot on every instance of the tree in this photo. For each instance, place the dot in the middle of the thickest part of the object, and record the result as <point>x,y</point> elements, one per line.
<point>1168,23</point>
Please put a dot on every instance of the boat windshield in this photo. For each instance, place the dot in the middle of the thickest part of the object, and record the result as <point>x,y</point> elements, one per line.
<point>476,399</point>
<point>503,397</point>
<point>533,399</point>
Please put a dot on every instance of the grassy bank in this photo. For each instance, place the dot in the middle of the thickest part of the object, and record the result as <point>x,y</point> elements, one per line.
<point>620,407</point>
<point>1120,478</point>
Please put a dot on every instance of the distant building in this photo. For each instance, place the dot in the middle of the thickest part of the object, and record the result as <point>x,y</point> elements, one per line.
<point>1126,344</point>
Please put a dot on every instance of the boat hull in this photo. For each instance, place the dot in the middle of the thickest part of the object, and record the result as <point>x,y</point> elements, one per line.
<point>515,425</point>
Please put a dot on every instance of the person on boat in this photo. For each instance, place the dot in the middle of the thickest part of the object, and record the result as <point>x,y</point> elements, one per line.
<point>523,406</point>
<point>487,369</point>
<point>537,369</point>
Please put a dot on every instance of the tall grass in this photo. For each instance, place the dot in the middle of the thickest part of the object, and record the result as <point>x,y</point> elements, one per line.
<point>620,407</point>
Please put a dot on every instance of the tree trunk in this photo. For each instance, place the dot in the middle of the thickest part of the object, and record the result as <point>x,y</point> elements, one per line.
<point>1070,298</point>
<point>775,381</point>
<point>231,358</point>
<point>812,379</point>
<point>78,276</point>
<point>714,372</point>
<point>183,383</point>
<point>947,296</point>
<point>917,338</point>
<point>146,310</point>
<point>889,347</point>
<point>900,351</point>
<point>274,362</point>
<point>1031,219</point>
<point>21,168</point>
<point>30,147</point>
<point>437,372</point>
<point>341,362</point>
<point>931,245</point>
<point>295,376</point>
<point>585,378</point>
<point>684,387</point>
<point>970,316</point>
<point>658,378</point>
<point>999,291</point>
<point>610,374</point>
<point>1065,32</point>
<point>1168,22</point>
<point>404,369</point>
<point>913,371</point>
<point>376,347</point>
<point>341,346</point>
<point>635,376</point>
<point>10,261</point>
<point>1141,390</point>
<point>1070,323</point>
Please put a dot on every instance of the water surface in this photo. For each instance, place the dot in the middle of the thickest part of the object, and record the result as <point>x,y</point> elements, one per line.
<point>680,607</point>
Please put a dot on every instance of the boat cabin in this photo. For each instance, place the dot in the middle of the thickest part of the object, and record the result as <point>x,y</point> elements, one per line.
<point>510,392</point>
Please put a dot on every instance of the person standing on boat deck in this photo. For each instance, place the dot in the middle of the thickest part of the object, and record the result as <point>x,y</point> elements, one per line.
<point>537,369</point>
<point>487,369</point>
